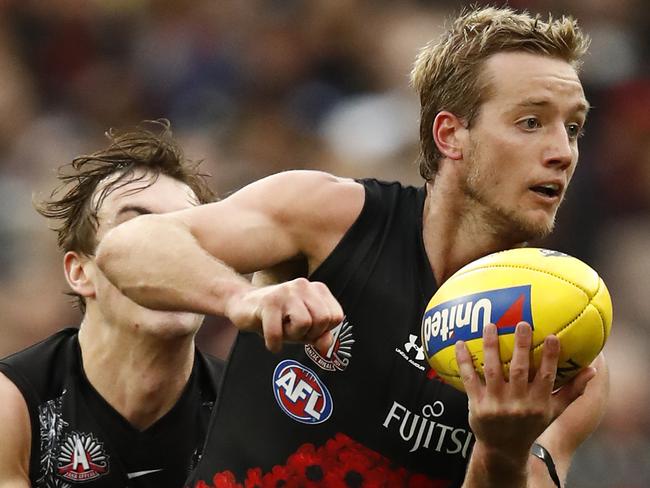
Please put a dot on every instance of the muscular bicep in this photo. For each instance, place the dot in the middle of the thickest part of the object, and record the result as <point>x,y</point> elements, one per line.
<point>285,217</point>
<point>15,437</point>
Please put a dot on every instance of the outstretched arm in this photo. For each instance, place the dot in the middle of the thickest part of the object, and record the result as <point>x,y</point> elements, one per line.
<point>508,416</point>
<point>191,260</point>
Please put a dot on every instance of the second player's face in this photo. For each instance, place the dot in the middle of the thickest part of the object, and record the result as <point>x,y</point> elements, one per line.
<point>125,203</point>
<point>522,148</point>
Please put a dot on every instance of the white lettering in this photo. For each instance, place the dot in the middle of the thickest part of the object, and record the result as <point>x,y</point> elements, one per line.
<point>443,432</point>
<point>286,381</point>
<point>452,317</point>
<point>416,419</point>
<point>416,446</point>
<point>391,414</point>
<point>335,337</point>
<point>456,441</point>
<point>467,443</point>
<point>311,405</point>
<point>432,424</point>
<point>444,328</point>
<point>418,430</point>
<point>79,456</point>
<point>485,306</point>
<point>426,327</point>
<point>462,319</point>
<point>300,391</point>
<point>435,324</point>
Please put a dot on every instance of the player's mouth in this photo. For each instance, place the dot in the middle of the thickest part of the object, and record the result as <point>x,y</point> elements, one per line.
<point>549,191</point>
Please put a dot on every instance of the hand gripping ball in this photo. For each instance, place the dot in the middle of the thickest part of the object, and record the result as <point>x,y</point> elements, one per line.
<point>555,293</point>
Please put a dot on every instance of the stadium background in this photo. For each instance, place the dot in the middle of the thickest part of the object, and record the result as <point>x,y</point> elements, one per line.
<point>257,86</point>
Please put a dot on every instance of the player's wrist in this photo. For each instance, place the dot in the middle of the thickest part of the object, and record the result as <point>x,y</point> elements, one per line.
<point>227,294</point>
<point>544,465</point>
<point>501,464</point>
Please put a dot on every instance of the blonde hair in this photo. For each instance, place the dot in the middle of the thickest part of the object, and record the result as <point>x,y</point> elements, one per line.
<point>446,73</point>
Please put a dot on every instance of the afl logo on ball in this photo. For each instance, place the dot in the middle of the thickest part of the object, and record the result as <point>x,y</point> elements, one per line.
<point>300,393</point>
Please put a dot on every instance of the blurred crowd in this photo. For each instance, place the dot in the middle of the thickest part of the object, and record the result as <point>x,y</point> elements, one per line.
<point>253,87</point>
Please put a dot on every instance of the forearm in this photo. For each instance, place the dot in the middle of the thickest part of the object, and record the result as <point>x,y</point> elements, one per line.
<point>492,470</point>
<point>179,275</point>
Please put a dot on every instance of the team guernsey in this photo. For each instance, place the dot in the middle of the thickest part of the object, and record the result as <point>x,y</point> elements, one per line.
<point>368,411</point>
<point>79,440</point>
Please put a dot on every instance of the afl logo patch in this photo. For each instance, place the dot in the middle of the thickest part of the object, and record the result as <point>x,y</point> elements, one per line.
<point>300,393</point>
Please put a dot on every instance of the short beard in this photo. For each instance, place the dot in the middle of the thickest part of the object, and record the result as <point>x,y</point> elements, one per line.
<point>493,218</point>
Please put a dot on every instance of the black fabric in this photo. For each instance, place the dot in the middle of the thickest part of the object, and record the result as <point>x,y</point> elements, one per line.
<point>391,418</point>
<point>78,439</point>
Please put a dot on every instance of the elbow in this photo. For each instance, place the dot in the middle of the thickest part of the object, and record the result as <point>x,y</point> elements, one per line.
<point>120,249</point>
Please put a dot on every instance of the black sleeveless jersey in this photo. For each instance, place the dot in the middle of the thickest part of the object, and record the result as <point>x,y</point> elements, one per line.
<point>79,440</point>
<point>366,412</point>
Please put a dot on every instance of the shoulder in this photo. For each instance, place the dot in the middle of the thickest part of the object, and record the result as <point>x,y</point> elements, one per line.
<point>313,209</point>
<point>291,193</point>
<point>15,432</point>
<point>39,370</point>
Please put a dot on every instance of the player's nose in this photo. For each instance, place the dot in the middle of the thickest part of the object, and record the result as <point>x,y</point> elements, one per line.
<point>559,151</point>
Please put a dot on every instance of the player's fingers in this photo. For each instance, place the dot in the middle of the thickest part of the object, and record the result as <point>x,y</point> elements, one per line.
<point>326,313</point>
<point>572,390</point>
<point>492,369</point>
<point>520,364</point>
<point>545,376</point>
<point>297,320</point>
<point>324,341</point>
<point>272,327</point>
<point>468,375</point>
<point>336,314</point>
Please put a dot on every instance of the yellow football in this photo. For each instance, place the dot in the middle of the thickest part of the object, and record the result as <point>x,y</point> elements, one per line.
<point>554,292</point>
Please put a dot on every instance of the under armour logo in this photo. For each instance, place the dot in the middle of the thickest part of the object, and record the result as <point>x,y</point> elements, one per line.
<point>412,344</point>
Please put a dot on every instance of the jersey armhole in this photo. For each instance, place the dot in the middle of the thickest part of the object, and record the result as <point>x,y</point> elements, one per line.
<point>366,209</point>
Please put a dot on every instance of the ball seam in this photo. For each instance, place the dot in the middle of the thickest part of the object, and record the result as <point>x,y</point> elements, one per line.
<point>600,312</point>
<point>559,277</point>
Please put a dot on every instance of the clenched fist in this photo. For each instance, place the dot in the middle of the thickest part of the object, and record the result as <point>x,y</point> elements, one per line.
<point>295,311</point>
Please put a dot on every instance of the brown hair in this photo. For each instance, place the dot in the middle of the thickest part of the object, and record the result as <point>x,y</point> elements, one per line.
<point>446,73</point>
<point>150,146</point>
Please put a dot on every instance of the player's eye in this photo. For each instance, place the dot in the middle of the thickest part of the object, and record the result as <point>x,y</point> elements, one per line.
<point>530,123</point>
<point>574,131</point>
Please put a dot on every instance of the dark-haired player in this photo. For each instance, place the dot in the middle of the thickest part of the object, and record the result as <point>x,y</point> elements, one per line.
<point>123,400</point>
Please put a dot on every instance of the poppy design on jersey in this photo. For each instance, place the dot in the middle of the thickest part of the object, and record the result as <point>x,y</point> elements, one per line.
<point>82,458</point>
<point>300,393</point>
<point>341,461</point>
<point>337,357</point>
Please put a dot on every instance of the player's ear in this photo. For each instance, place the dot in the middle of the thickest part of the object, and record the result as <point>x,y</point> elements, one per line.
<point>78,273</point>
<point>448,132</point>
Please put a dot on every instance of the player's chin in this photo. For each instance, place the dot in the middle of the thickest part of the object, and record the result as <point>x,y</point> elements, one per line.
<point>535,225</point>
<point>170,325</point>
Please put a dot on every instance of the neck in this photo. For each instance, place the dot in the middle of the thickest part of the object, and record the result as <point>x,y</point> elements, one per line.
<point>454,230</point>
<point>139,374</point>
